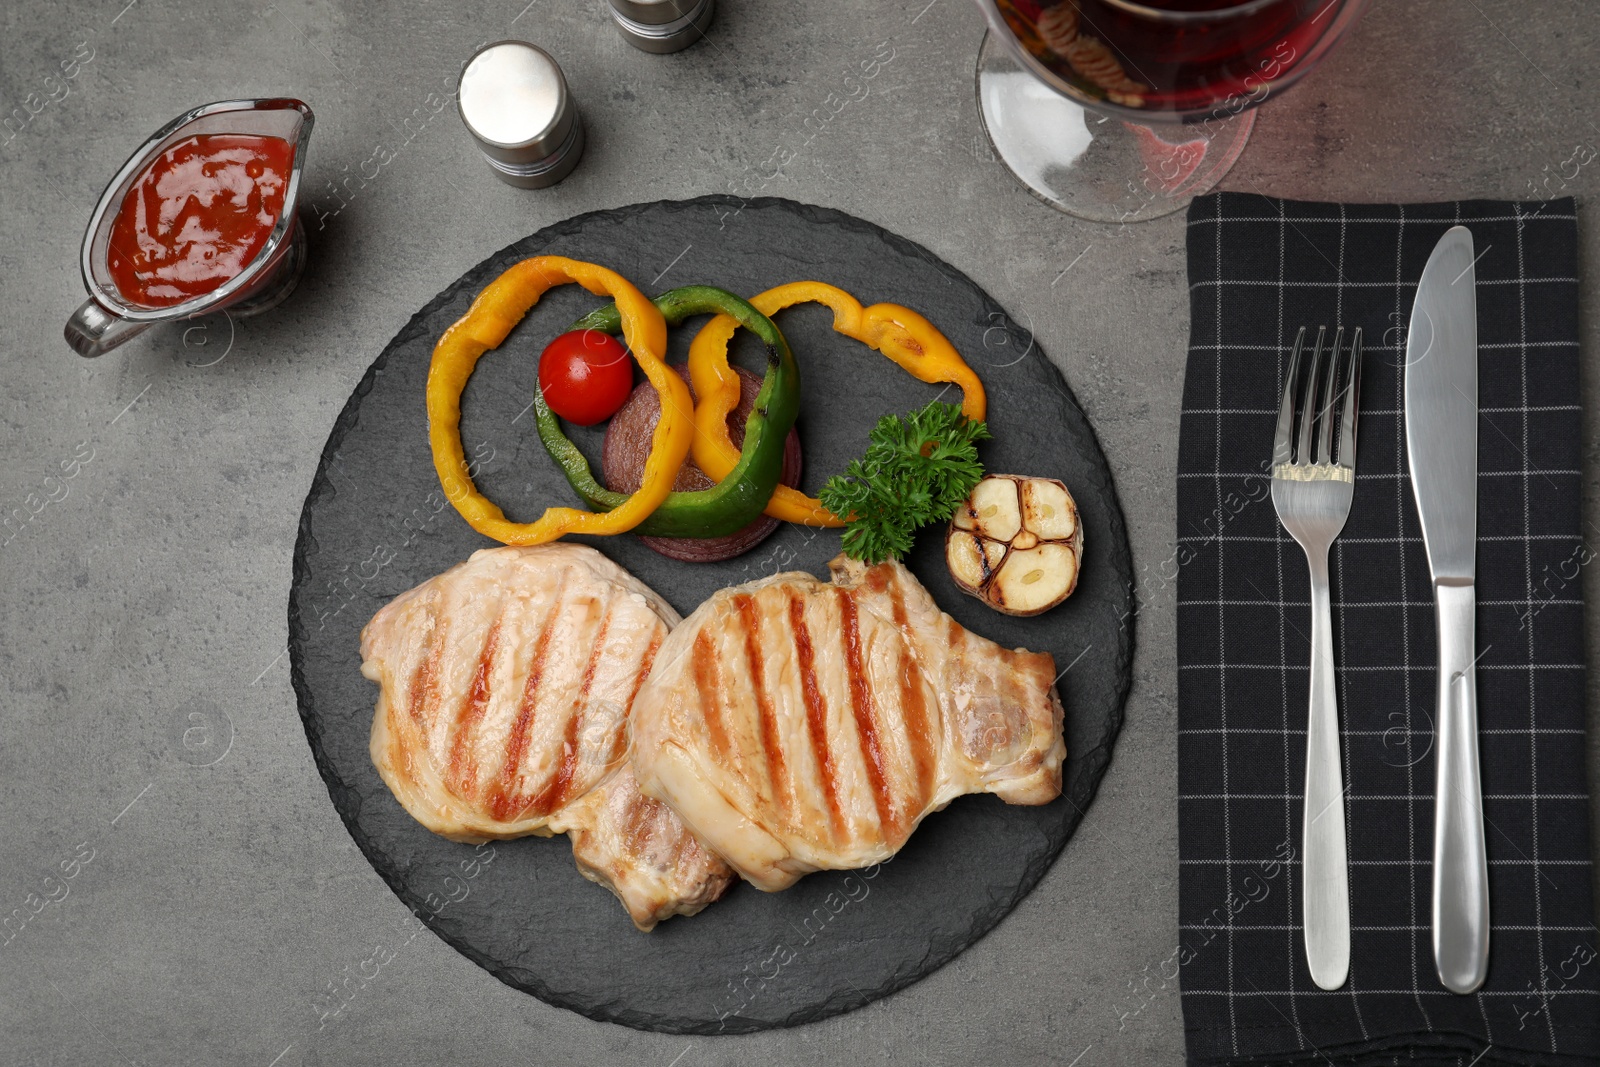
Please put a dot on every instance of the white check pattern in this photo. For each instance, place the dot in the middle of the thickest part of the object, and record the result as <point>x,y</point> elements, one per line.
<point>1259,269</point>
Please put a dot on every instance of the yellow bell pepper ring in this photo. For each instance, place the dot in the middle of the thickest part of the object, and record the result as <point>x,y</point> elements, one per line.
<point>910,340</point>
<point>500,306</point>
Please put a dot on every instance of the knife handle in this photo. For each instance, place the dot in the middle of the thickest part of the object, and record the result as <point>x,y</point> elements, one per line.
<point>1460,866</point>
<point>1325,875</point>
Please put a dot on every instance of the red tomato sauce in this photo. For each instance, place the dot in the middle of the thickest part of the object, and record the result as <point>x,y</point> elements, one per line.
<point>197,216</point>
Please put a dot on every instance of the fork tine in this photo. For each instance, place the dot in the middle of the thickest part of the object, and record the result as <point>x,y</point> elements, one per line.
<point>1281,454</point>
<point>1352,388</point>
<point>1308,409</point>
<point>1330,397</point>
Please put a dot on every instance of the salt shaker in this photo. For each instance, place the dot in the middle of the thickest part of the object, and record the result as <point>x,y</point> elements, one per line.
<point>662,25</point>
<point>514,101</point>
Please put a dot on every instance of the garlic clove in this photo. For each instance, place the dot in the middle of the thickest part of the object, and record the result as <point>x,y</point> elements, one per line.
<point>1047,509</point>
<point>1035,579</point>
<point>972,560</point>
<point>996,510</point>
<point>963,553</point>
<point>994,554</point>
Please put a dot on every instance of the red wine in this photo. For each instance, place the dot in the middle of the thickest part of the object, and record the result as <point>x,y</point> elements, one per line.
<point>1191,57</point>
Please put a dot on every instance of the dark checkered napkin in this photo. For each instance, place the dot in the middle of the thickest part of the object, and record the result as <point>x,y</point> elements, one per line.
<point>1258,270</point>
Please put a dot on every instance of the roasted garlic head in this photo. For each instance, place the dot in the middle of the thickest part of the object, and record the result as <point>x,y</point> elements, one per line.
<point>1016,543</point>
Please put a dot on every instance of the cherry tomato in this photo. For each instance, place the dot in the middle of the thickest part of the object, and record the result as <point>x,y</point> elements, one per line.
<point>586,376</point>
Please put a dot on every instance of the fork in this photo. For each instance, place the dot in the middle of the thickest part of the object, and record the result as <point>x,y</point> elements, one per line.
<point>1313,480</point>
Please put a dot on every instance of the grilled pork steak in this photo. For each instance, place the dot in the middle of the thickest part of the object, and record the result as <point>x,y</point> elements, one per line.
<point>797,726</point>
<point>505,685</point>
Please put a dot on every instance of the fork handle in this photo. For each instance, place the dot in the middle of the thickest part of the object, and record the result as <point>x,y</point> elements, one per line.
<point>1325,878</point>
<point>1460,866</point>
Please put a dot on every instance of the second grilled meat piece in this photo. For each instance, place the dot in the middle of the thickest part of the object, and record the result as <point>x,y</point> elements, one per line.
<point>797,726</point>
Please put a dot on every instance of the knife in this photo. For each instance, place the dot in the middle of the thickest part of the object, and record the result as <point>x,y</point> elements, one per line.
<point>1441,403</point>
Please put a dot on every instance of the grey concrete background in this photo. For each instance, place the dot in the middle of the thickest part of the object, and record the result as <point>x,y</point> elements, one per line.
<point>147,719</point>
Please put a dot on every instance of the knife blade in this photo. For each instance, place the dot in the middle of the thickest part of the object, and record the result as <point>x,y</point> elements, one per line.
<point>1441,414</point>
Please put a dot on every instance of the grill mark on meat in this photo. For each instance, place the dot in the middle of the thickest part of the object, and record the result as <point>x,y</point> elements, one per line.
<point>399,755</point>
<point>619,734</point>
<point>861,705</point>
<point>555,794</point>
<point>660,838</point>
<point>637,829</point>
<point>505,799</point>
<point>645,663</point>
<point>425,682</point>
<point>816,712</point>
<point>1039,665</point>
<point>683,842</point>
<point>771,742</point>
<point>914,701</point>
<point>708,684</point>
<point>594,661</point>
<point>463,768</point>
<point>876,580</point>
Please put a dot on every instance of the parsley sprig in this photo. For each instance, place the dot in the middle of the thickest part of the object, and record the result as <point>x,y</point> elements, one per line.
<point>916,469</point>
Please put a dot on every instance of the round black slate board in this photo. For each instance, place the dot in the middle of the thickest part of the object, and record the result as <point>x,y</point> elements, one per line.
<point>375,524</point>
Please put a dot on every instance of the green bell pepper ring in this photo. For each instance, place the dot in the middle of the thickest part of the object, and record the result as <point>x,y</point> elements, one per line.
<point>738,499</point>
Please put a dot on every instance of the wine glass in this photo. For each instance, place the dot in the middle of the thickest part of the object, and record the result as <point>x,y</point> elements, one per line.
<point>1070,92</point>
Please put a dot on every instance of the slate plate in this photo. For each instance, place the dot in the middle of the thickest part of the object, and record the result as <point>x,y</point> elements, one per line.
<point>375,524</point>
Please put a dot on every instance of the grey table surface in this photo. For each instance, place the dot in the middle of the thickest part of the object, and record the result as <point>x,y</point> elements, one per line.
<point>223,895</point>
